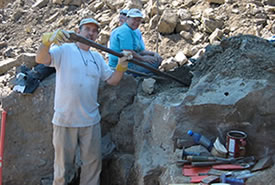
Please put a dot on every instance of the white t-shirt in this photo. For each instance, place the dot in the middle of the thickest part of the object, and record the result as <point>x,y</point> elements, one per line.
<point>78,73</point>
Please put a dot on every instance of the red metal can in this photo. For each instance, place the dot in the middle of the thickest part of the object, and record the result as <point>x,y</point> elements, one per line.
<point>235,143</point>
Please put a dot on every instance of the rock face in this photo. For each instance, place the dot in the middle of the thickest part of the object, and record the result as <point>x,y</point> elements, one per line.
<point>29,120</point>
<point>232,88</point>
<point>240,82</point>
<point>28,143</point>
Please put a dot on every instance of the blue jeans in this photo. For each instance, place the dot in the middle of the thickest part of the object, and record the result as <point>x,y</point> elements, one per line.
<point>142,69</point>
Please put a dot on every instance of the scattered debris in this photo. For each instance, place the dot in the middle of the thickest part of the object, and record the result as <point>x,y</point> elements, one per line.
<point>263,163</point>
<point>148,85</point>
<point>219,150</point>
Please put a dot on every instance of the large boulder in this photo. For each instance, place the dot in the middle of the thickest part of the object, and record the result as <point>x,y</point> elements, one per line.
<point>168,22</point>
<point>232,88</point>
<point>27,59</point>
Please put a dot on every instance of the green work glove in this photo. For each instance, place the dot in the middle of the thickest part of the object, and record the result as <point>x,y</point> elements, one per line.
<point>122,65</point>
<point>57,37</point>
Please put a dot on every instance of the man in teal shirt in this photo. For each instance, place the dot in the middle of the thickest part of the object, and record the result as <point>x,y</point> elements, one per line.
<point>125,37</point>
<point>122,20</point>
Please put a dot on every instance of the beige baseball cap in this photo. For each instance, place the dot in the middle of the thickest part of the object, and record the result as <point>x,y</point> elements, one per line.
<point>89,21</point>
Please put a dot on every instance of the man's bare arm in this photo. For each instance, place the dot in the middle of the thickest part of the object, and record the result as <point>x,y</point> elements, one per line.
<point>115,78</point>
<point>43,56</point>
<point>145,58</point>
<point>121,67</point>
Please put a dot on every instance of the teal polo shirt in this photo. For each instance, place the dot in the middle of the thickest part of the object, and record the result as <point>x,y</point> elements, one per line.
<point>124,38</point>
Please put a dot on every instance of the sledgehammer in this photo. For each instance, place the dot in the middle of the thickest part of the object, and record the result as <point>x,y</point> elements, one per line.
<point>78,38</point>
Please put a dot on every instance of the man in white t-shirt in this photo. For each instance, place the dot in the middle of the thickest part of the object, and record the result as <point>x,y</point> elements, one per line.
<point>76,120</point>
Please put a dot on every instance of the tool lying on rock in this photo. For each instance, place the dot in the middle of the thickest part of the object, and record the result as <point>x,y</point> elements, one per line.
<point>182,163</point>
<point>232,181</point>
<point>217,162</point>
<point>210,179</point>
<point>210,158</point>
<point>186,155</point>
<point>78,38</point>
<point>263,163</point>
<point>224,163</point>
<point>239,174</point>
<point>208,161</point>
<point>240,166</point>
<point>216,172</point>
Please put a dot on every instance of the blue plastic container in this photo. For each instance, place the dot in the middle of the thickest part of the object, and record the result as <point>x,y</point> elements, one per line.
<point>200,139</point>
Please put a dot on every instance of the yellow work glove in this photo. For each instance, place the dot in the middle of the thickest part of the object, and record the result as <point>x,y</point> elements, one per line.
<point>57,37</point>
<point>122,65</point>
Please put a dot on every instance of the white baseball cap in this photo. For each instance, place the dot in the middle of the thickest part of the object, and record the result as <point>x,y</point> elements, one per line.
<point>134,13</point>
<point>88,21</point>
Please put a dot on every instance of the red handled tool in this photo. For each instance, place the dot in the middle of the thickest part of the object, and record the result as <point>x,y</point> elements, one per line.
<point>3,127</point>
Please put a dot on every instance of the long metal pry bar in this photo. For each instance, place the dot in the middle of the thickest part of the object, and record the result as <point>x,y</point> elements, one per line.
<point>78,38</point>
